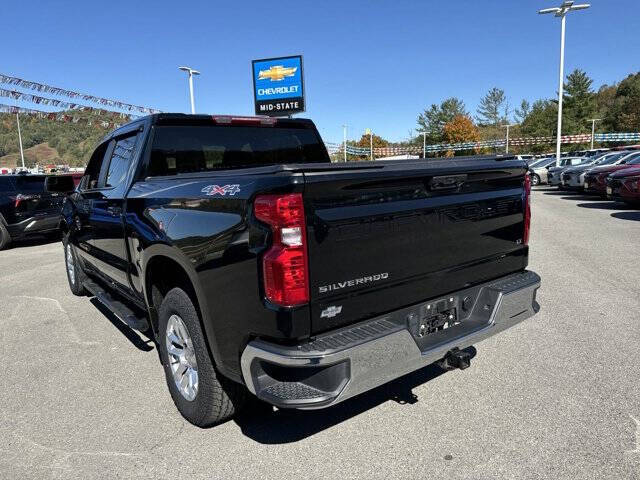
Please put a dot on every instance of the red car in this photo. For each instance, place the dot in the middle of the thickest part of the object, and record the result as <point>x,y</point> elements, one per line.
<point>595,180</point>
<point>624,185</point>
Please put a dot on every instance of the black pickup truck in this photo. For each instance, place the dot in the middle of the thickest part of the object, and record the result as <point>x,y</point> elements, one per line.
<point>260,267</point>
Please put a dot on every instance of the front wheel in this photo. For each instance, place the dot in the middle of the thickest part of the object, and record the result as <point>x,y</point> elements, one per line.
<point>75,274</point>
<point>535,179</point>
<point>201,394</point>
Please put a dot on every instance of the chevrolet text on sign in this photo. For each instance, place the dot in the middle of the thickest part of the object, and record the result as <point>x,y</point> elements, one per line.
<point>278,86</point>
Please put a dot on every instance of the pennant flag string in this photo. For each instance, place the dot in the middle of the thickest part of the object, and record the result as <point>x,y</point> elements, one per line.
<point>41,87</point>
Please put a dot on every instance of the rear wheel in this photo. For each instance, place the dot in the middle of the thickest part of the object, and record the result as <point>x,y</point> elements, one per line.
<point>5,238</point>
<point>202,395</point>
<point>75,274</point>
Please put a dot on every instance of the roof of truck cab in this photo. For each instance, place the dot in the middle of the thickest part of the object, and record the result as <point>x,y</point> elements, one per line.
<point>177,118</point>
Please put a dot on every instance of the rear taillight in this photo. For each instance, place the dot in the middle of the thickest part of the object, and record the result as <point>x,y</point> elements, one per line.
<point>21,198</point>
<point>527,209</point>
<point>285,264</point>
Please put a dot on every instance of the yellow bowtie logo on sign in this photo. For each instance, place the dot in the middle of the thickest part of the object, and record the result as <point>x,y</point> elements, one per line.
<point>277,73</point>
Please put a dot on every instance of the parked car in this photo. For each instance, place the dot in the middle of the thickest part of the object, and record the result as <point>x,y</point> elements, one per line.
<point>573,177</point>
<point>595,179</point>
<point>260,267</point>
<point>554,173</point>
<point>624,185</point>
<point>31,204</point>
<point>540,172</point>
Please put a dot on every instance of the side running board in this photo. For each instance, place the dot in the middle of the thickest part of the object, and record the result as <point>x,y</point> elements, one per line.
<point>118,308</point>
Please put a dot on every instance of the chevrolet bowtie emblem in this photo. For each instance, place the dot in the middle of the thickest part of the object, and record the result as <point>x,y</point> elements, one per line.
<point>277,73</point>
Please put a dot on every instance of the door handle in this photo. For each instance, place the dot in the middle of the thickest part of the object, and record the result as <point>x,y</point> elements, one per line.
<point>114,211</point>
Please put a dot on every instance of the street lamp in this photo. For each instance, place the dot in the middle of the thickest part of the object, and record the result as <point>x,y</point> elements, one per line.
<point>593,128</point>
<point>344,136</point>
<point>507,127</point>
<point>424,142</point>
<point>561,11</point>
<point>191,73</point>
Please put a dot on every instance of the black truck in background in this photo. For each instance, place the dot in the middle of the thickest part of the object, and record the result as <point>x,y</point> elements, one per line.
<point>259,267</point>
<point>31,205</point>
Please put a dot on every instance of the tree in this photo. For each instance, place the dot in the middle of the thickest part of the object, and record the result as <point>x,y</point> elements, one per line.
<point>365,141</point>
<point>624,113</point>
<point>579,103</point>
<point>523,111</point>
<point>541,122</point>
<point>460,129</point>
<point>435,117</point>
<point>488,112</point>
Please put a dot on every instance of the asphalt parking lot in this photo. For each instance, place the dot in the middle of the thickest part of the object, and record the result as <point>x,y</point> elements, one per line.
<point>555,397</point>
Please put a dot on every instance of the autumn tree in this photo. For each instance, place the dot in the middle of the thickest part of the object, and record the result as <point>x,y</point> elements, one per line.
<point>460,129</point>
<point>365,141</point>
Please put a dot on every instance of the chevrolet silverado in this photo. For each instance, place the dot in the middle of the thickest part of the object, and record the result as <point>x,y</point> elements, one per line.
<point>261,268</point>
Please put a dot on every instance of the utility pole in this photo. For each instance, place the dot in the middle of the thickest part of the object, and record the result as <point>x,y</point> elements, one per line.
<point>20,139</point>
<point>344,136</point>
<point>593,128</point>
<point>191,73</point>
<point>561,11</point>
<point>507,127</point>
<point>370,133</point>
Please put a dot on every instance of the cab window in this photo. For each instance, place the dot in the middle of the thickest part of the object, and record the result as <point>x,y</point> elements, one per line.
<point>121,158</point>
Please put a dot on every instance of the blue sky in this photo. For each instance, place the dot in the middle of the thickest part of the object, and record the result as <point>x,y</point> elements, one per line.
<point>373,64</point>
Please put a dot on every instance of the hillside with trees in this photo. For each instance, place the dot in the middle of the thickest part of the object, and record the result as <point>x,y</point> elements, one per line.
<point>53,141</point>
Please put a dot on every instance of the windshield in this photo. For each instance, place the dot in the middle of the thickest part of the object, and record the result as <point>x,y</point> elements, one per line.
<point>200,148</point>
<point>608,160</point>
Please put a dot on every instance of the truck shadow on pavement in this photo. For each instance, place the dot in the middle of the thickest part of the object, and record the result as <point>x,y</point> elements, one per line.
<point>140,341</point>
<point>264,424</point>
<point>604,205</point>
<point>34,241</point>
<point>627,216</point>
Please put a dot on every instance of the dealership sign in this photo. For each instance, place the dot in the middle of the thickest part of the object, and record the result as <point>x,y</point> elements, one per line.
<point>278,87</point>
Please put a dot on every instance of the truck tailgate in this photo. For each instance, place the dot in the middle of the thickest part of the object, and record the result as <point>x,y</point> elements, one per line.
<point>384,237</point>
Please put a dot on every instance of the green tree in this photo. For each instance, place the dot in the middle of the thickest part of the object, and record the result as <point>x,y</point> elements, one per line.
<point>435,117</point>
<point>523,111</point>
<point>579,103</point>
<point>540,122</point>
<point>493,108</point>
<point>624,113</point>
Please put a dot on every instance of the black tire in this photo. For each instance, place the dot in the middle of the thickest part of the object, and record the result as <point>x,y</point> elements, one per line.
<point>217,398</point>
<point>5,238</point>
<point>75,283</point>
<point>535,180</point>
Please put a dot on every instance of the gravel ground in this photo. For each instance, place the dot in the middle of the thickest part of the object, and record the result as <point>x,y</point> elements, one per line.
<point>555,397</point>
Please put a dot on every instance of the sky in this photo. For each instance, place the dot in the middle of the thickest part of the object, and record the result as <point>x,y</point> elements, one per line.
<point>374,64</point>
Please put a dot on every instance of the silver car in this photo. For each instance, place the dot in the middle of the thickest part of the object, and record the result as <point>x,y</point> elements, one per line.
<point>540,170</point>
<point>554,174</point>
<point>573,178</point>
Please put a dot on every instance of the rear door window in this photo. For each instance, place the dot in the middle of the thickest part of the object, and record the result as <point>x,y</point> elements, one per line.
<point>201,148</point>
<point>121,159</point>
<point>60,184</point>
<point>30,184</point>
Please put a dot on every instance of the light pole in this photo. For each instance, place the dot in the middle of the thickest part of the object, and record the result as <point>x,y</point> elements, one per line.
<point>507,127</point>
<point>593,128</point>
<point>191,73</point>
<point>344,136</point>
<point>561,12</point>
<point>424,143</point>
<point>20,139</point>
<point>370,133</point>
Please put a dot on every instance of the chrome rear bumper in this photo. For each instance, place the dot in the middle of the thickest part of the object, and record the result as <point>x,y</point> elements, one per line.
<point>347,362</point>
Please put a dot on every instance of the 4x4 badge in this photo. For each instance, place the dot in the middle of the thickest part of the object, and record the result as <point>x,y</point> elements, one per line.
<point>218,190</point>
